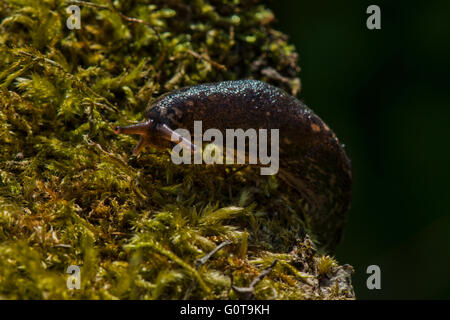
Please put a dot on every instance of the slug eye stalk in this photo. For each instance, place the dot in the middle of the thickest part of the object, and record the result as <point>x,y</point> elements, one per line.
<point>151,133</point>
<point>171,135</point>
<point>143,129</point>
<point>140,128</point>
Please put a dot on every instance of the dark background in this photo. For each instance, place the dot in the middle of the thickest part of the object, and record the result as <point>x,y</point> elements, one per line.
<point>386,95</point>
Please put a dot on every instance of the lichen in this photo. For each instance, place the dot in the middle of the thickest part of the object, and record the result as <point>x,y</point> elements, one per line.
<point>72,194</point>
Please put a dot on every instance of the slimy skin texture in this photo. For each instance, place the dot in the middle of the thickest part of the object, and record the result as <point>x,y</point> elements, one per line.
<point>312,161</point>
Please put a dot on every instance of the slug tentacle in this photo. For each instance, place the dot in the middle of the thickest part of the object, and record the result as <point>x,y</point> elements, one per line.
<point>144,141</point>
<point>139,128</point>
<point>143,129</point>
<point>171,135</point>
<point>152,133</point>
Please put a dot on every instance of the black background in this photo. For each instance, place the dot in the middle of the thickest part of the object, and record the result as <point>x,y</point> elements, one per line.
<point>386,95</point>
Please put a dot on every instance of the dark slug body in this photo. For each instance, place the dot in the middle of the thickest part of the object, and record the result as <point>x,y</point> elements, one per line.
<point>311,158</point>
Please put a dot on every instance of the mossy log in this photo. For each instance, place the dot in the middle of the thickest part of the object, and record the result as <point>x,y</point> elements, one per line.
<point>71,194</point>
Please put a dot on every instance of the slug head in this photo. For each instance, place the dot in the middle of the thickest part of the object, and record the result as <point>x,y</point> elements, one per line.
<point>154,134</point>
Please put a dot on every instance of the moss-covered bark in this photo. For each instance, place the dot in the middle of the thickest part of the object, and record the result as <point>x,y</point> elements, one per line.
<point>71,194</point>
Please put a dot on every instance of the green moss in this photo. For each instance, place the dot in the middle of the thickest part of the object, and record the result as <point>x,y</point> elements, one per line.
<point>71,194</point>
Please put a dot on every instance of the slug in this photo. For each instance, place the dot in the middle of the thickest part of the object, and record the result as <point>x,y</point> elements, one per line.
<point>311,159</point>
